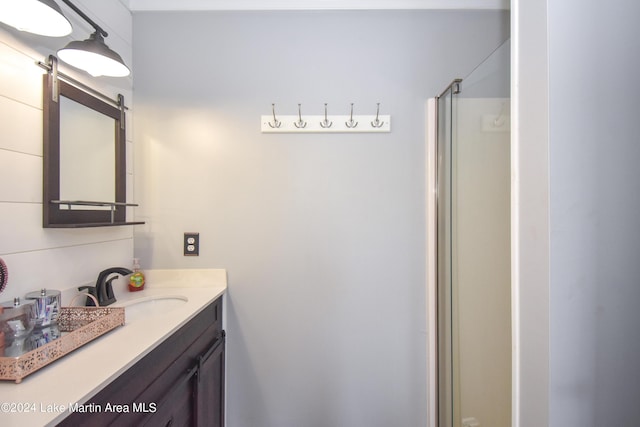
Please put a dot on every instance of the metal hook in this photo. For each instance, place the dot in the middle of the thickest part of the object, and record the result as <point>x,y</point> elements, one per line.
<point>351,124</point>
<point>500,118</point>
<point>276,123</point>
<point>377,123</point>
<point>325,123</point>
<point>300,123</point>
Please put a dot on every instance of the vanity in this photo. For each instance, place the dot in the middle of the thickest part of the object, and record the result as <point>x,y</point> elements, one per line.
<point>165,366</point>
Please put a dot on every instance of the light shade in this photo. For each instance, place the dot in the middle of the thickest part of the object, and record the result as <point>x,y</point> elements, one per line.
<point>94,56</point>
<point>42,17</point>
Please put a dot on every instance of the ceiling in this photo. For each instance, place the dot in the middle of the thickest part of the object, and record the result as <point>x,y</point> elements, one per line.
<point>151,5</point>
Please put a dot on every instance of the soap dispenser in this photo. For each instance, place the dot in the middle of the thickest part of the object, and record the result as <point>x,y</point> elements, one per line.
<point>136,280</point>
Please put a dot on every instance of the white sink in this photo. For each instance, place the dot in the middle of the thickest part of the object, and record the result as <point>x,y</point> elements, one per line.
<point>145,307</point>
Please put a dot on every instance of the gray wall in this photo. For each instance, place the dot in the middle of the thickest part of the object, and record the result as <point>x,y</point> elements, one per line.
<point>323,235</point>
<point>594,103</point>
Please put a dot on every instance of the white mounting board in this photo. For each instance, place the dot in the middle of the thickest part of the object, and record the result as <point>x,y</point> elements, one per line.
<point>313,124</point>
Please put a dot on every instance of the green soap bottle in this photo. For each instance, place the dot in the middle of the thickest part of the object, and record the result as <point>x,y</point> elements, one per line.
<point>136,280</point>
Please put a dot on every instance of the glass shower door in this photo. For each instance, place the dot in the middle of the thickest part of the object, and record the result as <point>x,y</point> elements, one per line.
<point>473,248</point>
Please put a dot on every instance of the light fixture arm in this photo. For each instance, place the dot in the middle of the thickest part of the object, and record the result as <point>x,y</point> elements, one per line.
<point>97,27</point>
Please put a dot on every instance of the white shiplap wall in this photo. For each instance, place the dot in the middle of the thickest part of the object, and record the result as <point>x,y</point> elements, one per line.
<point>52,258</point>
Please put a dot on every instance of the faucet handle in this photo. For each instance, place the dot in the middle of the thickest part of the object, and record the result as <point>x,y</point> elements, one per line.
<point>91,290</point>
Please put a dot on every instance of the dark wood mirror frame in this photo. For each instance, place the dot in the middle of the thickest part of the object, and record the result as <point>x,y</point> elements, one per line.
<point>53,216</point>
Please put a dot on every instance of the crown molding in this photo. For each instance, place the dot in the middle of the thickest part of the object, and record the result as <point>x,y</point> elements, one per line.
<point>200,5</point>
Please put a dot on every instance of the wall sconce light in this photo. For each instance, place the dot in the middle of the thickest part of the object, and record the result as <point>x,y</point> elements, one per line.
<point>42,17</point>
<point>94,56</point>
<point>91,55</point>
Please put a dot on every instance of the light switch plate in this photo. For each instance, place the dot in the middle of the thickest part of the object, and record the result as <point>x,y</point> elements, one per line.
<point>191,244</point>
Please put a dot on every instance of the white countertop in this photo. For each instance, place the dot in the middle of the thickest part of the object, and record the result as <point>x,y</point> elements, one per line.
<point>43,398</point>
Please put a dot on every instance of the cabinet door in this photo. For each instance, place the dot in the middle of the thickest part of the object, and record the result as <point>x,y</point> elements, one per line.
<point>210,386</point>
<point>176,409</point>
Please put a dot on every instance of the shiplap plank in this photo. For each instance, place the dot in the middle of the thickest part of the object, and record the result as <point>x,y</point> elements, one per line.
<point>20,77</point>
<point>21,231</point>
<point>20,177</point>
<point>62,268</point>
<point>21,128</point>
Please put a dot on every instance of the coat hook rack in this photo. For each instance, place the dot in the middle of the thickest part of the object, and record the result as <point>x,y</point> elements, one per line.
<point>325,123</point>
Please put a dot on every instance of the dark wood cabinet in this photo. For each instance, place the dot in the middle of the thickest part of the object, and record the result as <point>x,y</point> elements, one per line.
<point>179,383</point>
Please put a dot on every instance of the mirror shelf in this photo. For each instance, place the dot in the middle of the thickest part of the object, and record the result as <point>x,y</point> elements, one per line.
<point>96,224</point>
<point>71,204</point>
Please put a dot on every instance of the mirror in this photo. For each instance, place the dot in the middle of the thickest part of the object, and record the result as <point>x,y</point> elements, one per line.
<point>84,158</point>
<point>87,161</point>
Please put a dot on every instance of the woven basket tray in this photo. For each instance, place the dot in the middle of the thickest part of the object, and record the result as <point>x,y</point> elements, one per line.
<point>82,325</point>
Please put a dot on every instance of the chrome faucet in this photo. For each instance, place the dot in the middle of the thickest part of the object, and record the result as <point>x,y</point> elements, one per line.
<point>103,290</point>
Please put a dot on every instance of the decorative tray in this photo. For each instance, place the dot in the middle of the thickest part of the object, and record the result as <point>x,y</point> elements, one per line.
<point>80,325</point>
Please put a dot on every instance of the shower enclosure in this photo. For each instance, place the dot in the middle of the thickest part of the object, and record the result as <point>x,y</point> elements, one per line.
<point>472,247</point>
